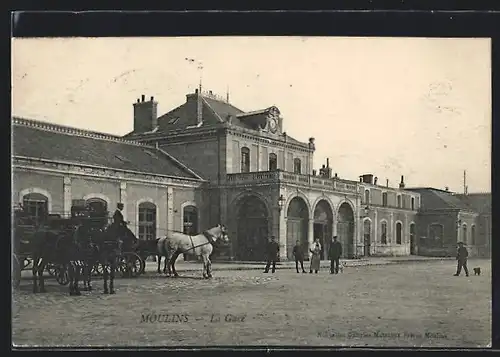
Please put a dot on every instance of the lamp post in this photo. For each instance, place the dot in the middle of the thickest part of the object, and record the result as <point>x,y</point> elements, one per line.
<point>281,202</point>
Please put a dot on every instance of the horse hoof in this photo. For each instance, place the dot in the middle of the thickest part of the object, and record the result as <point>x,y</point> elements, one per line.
<point>78,293</point>
<point>112,292</point>
<point>106,292</point>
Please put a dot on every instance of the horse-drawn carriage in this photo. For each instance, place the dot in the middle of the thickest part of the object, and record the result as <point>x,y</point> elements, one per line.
<point>24,228</point>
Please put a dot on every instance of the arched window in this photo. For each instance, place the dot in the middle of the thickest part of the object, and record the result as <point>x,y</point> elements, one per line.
<point>413,203</point>
<point>297,168</point>
<point>384,199</point>
<point>399,232</point>
<point>464,238</point>
<point>383,232</point>
<point>273,162</point>
<point>190,223</point>
<point>367,197</point>
<point>36,206</point>
<point>245,159</point>
<point>399,201</point>
<point>147,220</point>
<point>473,235</point>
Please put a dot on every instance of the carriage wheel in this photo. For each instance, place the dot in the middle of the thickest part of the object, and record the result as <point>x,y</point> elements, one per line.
<point>130,265</point>
<point>61,274</point>
<point>16,271</point>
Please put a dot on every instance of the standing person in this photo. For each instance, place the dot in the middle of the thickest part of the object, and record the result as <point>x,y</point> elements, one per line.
<point>462,255</point>
<point>299,256</point>
<point>334,254</point>
<point>315,257</point>
<point>273,249</point>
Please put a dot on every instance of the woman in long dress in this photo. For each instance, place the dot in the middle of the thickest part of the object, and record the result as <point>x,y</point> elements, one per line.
<point>315,257</point>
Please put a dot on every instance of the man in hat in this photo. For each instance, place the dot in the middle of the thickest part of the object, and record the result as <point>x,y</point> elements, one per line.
<point>273,249</point>
<point>299,256</point>
<point>334,254</point>
<point>462,255</point>
<point>118,221</point>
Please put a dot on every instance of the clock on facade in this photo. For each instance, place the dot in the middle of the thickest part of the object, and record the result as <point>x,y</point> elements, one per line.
<point>273,125</point>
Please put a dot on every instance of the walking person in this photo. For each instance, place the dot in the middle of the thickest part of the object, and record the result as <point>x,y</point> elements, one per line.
<point>462,255</point>
<point>315,257</point>
<point>273,249</point>
<point>334,254</point>
<point>299,256</point>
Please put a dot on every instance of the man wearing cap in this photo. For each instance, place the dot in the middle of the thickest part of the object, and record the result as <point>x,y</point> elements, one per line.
<point>334,254</point>
<point>462,255</point>
<point>273,249</point>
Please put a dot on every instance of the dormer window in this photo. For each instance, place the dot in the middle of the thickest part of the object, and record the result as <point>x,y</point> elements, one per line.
<point>297,168</point>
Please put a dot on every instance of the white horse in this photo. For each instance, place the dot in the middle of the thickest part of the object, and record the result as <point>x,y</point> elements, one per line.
<point>175,243</point>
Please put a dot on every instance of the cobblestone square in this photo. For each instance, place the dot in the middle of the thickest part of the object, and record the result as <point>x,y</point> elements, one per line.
<point>410,304</point>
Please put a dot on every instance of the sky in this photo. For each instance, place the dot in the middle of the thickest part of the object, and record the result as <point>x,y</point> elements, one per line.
<point>388,106</point>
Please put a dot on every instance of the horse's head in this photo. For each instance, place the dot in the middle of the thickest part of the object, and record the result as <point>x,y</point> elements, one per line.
<point>220,231</point>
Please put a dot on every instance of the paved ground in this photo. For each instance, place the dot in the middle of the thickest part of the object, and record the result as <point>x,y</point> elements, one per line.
<point>411,304</point>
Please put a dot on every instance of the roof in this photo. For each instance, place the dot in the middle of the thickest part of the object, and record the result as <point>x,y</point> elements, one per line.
<point>479,202</point>
<point>433,198</point>
<point>215,111</point>
<point>35,139</point>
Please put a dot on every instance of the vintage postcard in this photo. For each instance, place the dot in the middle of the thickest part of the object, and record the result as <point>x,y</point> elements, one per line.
<point>251,191</point>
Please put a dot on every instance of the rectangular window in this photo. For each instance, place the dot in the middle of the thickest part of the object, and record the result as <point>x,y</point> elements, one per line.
<point>37,210</point>
<point>399,201</point>
<point>297,167</point>
<point>245,160</point>
<point>413,203</point>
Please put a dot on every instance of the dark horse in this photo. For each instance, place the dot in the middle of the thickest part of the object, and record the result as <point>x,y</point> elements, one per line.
<point>106,247</point>
<point>58,246</point>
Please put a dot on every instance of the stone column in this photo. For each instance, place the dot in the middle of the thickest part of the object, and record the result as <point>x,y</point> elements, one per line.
<point>170,209</point>
<point>123,199</point>
<point>391,229</point>
<point>280,227</point>
<point>406,235</point>
<point>67,196</point>
<point>310,236</point>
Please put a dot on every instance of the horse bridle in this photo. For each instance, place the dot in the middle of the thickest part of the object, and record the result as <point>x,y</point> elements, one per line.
<point>209,238</point>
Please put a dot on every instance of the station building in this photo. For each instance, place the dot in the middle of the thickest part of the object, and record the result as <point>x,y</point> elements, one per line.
<point>208,162</point>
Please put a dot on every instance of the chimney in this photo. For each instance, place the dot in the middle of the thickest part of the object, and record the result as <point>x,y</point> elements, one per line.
<point>327,162</point>
<point>375,181</point>
<point>387,182</point>
<point>367,178</point>
<point>402,183</point>
<point>446,188</point>
<point>199,109</point>
<point>145,115</point>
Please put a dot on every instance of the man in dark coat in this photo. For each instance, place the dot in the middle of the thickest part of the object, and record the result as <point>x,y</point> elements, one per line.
<point>334,254</point>
<point>119,224</point>
<point>299,256</point>
<point>462,255</point>
<point>273,249</point>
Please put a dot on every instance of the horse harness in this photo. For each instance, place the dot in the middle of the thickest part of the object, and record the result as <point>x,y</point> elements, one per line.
<point>209,238</point>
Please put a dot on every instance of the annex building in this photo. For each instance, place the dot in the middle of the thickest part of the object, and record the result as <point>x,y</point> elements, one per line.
<point>208,162</point>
